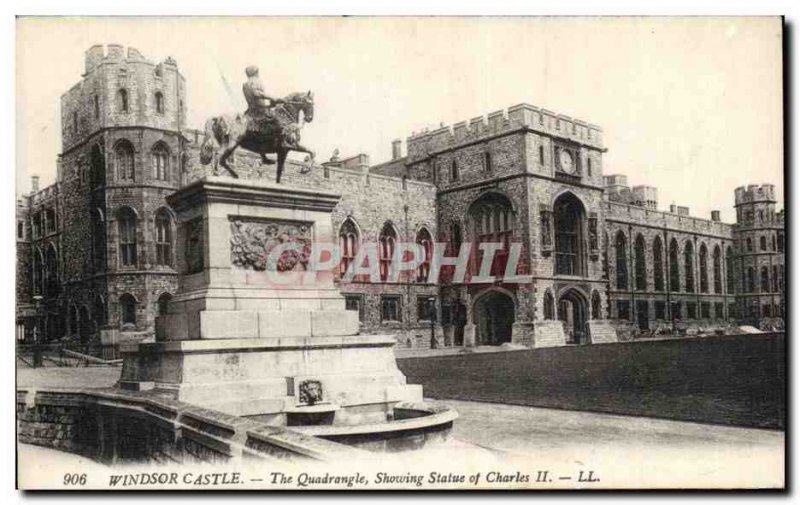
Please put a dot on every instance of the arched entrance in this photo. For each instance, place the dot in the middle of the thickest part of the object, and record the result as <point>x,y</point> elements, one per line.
<point>494,316</point>
<point>572,310</point>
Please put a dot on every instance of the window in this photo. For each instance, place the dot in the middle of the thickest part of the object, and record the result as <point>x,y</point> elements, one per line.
<point>731,282</point>
<point>639,263</point>
<point>159,102</point>
<point>775,278</point>
<point>719,310</point>
<point>454,171</point>
<point>774,244</point>
<point>487,161</point>
<point>732,313</point>
<point>674,268</point>
<point>386,245</point>
<point>660,307</point>
<point>20,229</point>
<point>123,159</point>
<point>549,305</point>
<point>98,240</point>
<point>96,107</point>
<point>122,100</point>
<point>764,280</point>
<point>126,219</point>
<point>623,309</point>
<point>37,273</point>
<point>425,308</point>
<point>688,264</point>
<point>390,308</point>
<point>569,216</point>
<point>163,238</point>
<point>622,261</point>
<point>749,245</point>
<point>589,166</point>
<point>161,162</point>
<point>348,245</point>
<point>492,218</point>
<point>75,122</point>
<point>705,310</point>
<point>717,270</point>
<point>658,265</point>
<point>52,283</point>
<point>163,304</point>
<point>750,281</point>
<point>355,302</point>
<point>691,310</point>
<point>541,155</point>
<point>127,305</point>
<point>424,240</point>
<point>780,242</point>
<point>762,243</point>
<point>703,269</point>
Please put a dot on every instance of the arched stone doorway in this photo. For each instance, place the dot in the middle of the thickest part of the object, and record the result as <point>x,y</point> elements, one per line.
<point>494,317</point>
<point>572,310</point>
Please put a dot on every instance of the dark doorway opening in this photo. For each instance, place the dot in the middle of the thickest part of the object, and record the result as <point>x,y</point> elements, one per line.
<point>494,315</point>
<point>459,321</point>
<point>572,311</point>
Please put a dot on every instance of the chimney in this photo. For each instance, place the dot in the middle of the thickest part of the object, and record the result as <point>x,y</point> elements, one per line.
<point>673,208</point>
<point>715,215</point>
<point>34,183</point>
<point>397,149</point>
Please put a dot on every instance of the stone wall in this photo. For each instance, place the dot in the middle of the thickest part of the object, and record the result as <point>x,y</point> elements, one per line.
<point>114,426</point>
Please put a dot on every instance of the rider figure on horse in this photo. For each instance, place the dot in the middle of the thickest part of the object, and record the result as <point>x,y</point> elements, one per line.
<point>259,104</point>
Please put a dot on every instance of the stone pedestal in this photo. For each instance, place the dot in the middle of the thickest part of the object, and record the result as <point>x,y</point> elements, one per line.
<point>469,335</point>
<point>255,331</point>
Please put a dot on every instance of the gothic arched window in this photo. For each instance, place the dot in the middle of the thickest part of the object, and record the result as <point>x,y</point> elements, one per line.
<point>163,303</point>
<point>703,269</point>
<point>762,243</point>
<point>159,98</point>
<point>620,252</point>
<point>569,216</point>
<point>688,266</point>
<point>122,100</point>
<point>163,238</point>
<point>658,264</point>
<point>674,268</point>
<point>348,245</point>
<point>764,280</point>
<point>126,221</point>
<point>386,245</point>
<point>640,268</point>
<point>424,268</point>
<point>123,159</point>
<point>717,270</point>
<point>493,219</point>
<point>161,162</point>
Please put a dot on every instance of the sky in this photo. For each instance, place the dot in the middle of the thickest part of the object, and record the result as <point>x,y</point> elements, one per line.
<point>692,106</point>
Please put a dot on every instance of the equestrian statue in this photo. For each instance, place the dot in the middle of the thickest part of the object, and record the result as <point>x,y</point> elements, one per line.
<point>268,126</point>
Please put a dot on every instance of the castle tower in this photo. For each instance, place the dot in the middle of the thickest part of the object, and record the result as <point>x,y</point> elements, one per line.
<point>759,247</point>
<point>121,156</point>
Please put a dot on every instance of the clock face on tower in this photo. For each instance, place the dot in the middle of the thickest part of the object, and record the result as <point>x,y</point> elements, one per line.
<point>566,161</point>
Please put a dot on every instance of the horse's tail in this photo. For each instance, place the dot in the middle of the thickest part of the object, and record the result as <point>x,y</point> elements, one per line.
<point>210,142</point>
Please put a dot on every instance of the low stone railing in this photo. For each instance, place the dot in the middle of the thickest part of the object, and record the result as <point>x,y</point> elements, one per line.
<point>114,426</point>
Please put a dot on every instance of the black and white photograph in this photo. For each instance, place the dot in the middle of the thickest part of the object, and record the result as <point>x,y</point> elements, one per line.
<point>400,253</point>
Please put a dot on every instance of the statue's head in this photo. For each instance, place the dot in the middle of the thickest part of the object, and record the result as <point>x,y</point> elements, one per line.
<point>251,71</point>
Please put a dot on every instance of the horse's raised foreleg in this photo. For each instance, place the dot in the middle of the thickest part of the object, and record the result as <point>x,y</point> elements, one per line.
<point>281,160</point>
<point>223,160</point>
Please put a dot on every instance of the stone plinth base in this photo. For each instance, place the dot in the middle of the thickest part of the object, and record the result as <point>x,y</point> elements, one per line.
<point>549,334</point>
<point>262,376</point>
<point>602,332</point>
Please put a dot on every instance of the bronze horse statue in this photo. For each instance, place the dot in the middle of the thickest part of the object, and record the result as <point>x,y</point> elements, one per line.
<point>277,133</point>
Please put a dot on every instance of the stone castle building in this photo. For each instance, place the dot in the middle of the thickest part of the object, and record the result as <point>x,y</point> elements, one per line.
<point>96,251</point>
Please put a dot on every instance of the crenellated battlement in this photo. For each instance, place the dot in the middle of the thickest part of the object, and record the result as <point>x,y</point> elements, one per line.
<point>755,193</point>
<point>98,54</point>
<point>422,144</point>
